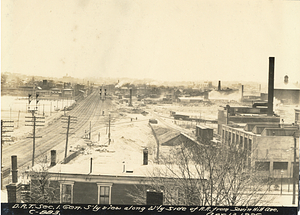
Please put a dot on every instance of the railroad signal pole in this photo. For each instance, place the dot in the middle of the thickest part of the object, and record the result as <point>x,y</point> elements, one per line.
<point>69,120</point>
<point>3,139</point>
<point>33,121</point>
<point>34,124</point>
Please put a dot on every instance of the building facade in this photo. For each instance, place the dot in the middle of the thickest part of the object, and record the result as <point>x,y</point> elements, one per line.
<point>269,147</point>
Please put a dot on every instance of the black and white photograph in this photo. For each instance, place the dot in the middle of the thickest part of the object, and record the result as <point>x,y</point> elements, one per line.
<point>150,106</point>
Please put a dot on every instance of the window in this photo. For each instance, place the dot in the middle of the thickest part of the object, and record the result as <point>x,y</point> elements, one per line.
<point>104,193</point>
<point>66,192</point>
<point>262,166</point>
<point>241,142</point>
<point>250,145</point>
<point>246,144</point>
<point>280,165</point>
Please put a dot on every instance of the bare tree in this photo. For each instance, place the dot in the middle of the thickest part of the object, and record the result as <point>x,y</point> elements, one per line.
<point>205,174</point>
<point>42,189</point>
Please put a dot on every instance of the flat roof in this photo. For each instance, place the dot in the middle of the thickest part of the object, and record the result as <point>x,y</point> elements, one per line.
<point>125,152</point>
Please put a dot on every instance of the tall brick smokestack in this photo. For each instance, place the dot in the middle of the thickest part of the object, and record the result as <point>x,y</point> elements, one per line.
<point>271,86</point>
<point>242,92</point>
<point>219,85</point>
<point>130,103</point>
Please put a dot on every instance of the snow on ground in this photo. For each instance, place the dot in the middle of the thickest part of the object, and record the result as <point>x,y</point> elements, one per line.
<point>15,109</point>
<point>128,141</point>
<point>130,134</point>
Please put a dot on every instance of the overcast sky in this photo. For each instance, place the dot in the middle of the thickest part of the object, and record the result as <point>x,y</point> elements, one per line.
<point>160,39</point>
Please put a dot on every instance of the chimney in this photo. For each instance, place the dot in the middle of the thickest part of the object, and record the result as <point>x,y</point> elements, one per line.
<point>14,169</point>
<point>124,167</point>
<point>242,91</point>
<point>13,189</point>
<point>53,158</point>
<point>271,86</point>
<point>286,79</point>
<point>91,166</point>
<point>145,156</point>
<point>219,86</point>
<point>130,103</point>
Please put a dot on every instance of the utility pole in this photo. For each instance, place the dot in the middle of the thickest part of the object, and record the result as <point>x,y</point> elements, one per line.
<point>109,129</point>
<point>34,123</point>
<point>295,172</point>
<point>68,120</point>
<point>4,140</point>
<point>90,135</point>
<point>18,118</point>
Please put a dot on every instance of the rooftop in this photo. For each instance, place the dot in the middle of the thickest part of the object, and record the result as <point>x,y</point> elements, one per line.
<point>123,157</point>
<point>266,129</point>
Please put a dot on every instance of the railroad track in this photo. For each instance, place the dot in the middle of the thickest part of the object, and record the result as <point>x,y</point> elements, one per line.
<point>86,111</point>
<point>170,124</point>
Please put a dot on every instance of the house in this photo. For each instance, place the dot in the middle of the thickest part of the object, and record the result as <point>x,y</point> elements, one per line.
<point>87,180</point>
<point>114,173</point>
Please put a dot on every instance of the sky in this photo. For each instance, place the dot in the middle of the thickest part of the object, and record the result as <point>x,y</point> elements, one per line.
<point>170,40</point>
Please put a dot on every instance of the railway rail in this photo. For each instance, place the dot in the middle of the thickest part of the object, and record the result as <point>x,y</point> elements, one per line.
<point>86,111</point>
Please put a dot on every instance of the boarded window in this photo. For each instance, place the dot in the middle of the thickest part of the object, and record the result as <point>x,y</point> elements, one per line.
<point>280,165</point>
<point>262,166</point>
